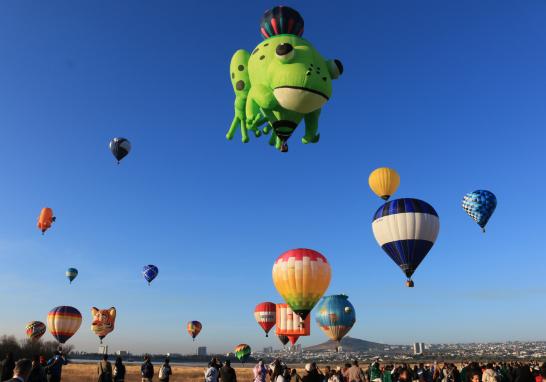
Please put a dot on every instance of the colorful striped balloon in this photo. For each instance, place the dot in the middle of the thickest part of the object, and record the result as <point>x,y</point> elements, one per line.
<point>194,328</point>
<point>290,324</point>
<point>35,330</point>
<point>335,316</point>
<point>242,352</point>
<point>301,277</point>
<point>64,322</point>
<point>281,20</point>
<point>264,313</point>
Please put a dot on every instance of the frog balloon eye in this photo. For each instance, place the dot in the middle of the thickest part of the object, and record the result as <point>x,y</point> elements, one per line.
<point>335,67</point>
<point>348,309</point>
<point>284,52</point>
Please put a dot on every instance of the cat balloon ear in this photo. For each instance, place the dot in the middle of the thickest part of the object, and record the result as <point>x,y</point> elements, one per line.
<point>113,312</point>
<point>94,311</point>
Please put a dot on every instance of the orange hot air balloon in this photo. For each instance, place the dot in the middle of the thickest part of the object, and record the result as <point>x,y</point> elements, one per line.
<point>264,313</point>
<point>290,324</point>
<point>301,277</point>
<point>45,219</point>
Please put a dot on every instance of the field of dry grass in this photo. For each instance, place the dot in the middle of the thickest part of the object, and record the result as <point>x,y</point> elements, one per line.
<point>88,373</point>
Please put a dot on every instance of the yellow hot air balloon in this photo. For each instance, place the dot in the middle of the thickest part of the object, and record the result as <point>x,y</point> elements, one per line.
<point>301,277</point>
<point>384,182</point>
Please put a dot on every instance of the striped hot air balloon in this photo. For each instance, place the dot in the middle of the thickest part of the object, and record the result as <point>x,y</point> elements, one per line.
<point>406,229</point>
<point>242,352</point>
<point>35,330</point>
<point>301,277</point>
<point>194,328</point>
<point>290,324</point>
<point>264,313</point>
<point>281,20</point>
<point>335,316</point>
<point>63,322</point>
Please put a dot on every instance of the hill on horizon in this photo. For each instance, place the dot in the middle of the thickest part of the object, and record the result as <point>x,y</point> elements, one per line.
<point>349,344</point>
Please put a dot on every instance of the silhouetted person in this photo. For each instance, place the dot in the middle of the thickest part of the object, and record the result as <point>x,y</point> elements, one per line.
<point>54,368</point>
<point>165,371</point>
<point>119,370</point>
<point>21,371</point>
<point>37,373</point>
<point>147,370</point>
<point>104,370</point>
<point>8,364</point>
<point>227,373</point>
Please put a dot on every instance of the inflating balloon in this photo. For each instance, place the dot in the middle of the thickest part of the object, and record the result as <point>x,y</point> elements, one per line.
<point>194,328</point>
<point>284,339</point>
<point>120,147</point>
<point>384,182</point>
<point>242,352</point>
<point>284,81</point>
<point>290,324</point>
<point>46,219</point>
<point>406,229</point>
<point>63,322</point>
<point>301,277</point>
<point>480,205</point>
<point>264,313</point>
<point>335,316</point>
<point>35,330</point>
<point>71,274</point>
<point>103,321</point>
<point>150,272</point>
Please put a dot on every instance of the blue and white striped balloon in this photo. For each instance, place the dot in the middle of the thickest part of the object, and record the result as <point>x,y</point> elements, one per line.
<point>406,229</point>
<point>71,274</point>
<point>480,205</point>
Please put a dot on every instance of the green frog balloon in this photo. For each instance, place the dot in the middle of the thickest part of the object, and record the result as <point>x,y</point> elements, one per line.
<point>283,81</point>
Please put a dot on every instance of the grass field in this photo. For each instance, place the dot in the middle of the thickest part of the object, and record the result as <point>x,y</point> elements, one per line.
<point>88,373</point>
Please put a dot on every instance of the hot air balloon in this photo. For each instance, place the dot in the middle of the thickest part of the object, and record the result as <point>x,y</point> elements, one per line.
<point>480,205</point>
<point>35,330</point>
<point>194,328</point>
<point>384,182</point>
<point>64,322</point>
<point>103,321</point>
<point>46,219</point>
<point>335,316</point>
<point>242,352</point>
<point>264,313</point>
<point>284,339</point>
<point>301,277</point>
<point>406,229</point>
<point>120,147</point>
<point>71,274</point>
<point>150,272</point>
<point>290,324</point>
<point>293,339</point>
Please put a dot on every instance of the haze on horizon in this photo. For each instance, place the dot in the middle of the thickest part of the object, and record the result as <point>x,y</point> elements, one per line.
<point>450,94</point>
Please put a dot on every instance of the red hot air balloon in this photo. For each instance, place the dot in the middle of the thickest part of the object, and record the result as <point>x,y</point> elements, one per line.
<point>265,314</point>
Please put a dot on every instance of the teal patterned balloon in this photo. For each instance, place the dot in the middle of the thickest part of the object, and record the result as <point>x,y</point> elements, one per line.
<point>480,205</point>
<point>71,274</point>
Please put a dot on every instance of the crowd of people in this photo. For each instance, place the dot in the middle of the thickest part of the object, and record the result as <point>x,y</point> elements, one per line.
<point>40,370</point>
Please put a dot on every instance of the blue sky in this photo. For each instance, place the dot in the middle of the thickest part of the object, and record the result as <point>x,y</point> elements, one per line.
<point>451,94</point>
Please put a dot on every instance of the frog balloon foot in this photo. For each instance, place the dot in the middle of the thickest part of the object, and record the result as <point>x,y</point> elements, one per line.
<point>313,139</point>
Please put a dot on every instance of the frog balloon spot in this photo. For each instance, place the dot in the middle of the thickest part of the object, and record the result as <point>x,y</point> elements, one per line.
<point>241,68</point>
<point>240,85</point>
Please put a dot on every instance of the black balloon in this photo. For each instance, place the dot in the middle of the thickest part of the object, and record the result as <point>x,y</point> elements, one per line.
<point>120,147</point>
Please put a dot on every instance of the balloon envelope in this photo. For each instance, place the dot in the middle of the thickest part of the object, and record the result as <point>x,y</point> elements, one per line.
<point>284,339</point>
<point>384,182</point>
<point>120,147</point>
<point>64,322</point>
<point>46,219</point>
<point>406,229</point>
<point>71,274</point>
<point>150,272</point>
<point>194,328</point>
<point>264,313</point>
<point>301,277</point>
<point>335,316</point>
<point>103,321</point>
<point>35,330</point>
<point>480,205</point>
<point>290,324</point>
<point>242,352</point>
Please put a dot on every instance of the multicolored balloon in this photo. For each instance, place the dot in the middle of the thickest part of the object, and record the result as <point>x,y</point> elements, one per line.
<point>150,272</point>
<point>120,147</point>
<point>242,352</point>
<point>63,322</point>
<point>194,328</point>
<point>35,330</point>
<point>406,229</point>
<point>46,219</point>
<point>103,321</point>
<point>301,277</point>
<point>71,274</point>
<point>384,182</point>
<point>264,313</point>
<point>480,205</point>
<point>284,339</point>
<point>335,316</point>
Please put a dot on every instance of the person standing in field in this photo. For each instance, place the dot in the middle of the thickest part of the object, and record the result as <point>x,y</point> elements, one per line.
<point>54,368</point>
<point>119,370</point>
<point>227,373</point>
<point>211,374</point>
<point>104,369</point>
<point>37,373</point>
<point>8,364</point>
<point>259,372</point>
<point>21,371</point>
<point>354,374</point>
<point>165,371</point>
<point>147,370</point>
